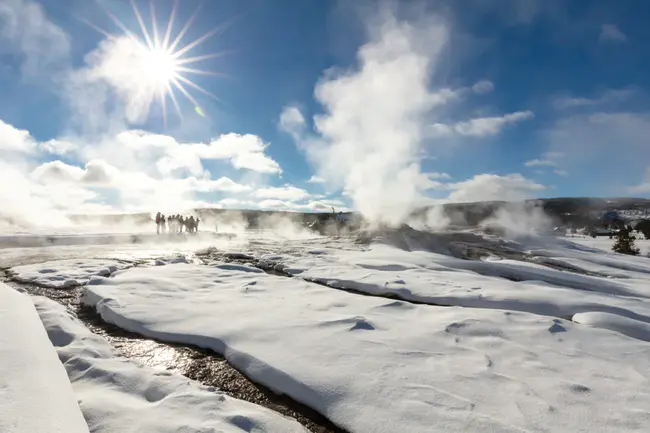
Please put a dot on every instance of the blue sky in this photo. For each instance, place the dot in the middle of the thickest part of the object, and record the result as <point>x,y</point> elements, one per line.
<point>382,106</point>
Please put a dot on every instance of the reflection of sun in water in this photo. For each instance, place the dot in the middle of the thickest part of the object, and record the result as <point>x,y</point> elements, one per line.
<point>157,60</point>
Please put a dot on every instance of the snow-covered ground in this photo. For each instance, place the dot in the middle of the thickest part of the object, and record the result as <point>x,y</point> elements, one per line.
<point>117,395</point>
<point>605,243</point>
<point>35,394</point>
<point>540,334</point>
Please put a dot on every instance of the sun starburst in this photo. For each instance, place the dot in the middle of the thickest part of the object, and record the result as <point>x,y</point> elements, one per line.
<point>159,61</point>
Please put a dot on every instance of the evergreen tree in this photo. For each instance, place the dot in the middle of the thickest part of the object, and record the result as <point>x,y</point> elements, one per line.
<point>625,243</point>
<point>644,227</point>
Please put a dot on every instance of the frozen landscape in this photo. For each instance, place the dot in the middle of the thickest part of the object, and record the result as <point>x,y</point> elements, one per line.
<point>393,330</point>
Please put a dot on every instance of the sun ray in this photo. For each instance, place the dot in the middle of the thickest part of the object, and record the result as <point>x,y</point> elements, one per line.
<point>170,24</point>
<point>117,22</point>
<point>199,72</point>
<point>197,87</point>
<point>156,63</point>
<point>94,27</point>
<point>163,104</point>
<point>154,25</point>
<point>172,95</point>
<point>199,58</point>
<point>143,27</point>
<point>198,41</point>
<point>187,94</point>
<point>187,25</point>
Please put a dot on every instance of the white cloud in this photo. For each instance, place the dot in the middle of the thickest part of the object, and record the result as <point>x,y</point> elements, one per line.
<point>611,33</point>
<point>287,192</point>
<point>479,127</point>
<point>483,86</point>
<point>490,125</point>
<point>540,163</point>
<point>15,140</point>
<point>292,121</point>
<point>492,187</point>
<point>548,160</point>
<point>429,181</point>
<point>310,206</point>
<point>437,175</point>
<point>244,151</point>
<point>25,29</point>
<point>316,179</point>
<point>58,147</point>
<point>610,96</point>
<point>100,173</point>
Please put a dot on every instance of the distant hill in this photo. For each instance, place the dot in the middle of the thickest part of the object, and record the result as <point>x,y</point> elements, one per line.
<point>572,210</point>
<point>566,210</point>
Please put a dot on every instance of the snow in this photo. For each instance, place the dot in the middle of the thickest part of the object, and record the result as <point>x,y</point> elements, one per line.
<point>35,394</point>
<point>120,396</point>
<point>375,364</point>
<point>537,334</point>
<point>438,279</point>
<point>62,274</point>
<point>615,322</point>
<point>605,243</point>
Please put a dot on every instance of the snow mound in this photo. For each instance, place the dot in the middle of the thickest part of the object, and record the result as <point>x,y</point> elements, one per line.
<point>430,278</point>
<point>375,365</point>
<point>120,396</point>
<point>624,325</point>
<point>35,394</point>
<point>65,274</point>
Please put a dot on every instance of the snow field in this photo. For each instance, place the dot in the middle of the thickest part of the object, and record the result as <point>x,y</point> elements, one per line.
<point>436,279</point>
<point>62,274</point>
<point>118,395</point>
<point>605,243</point>
<point>35,394</point>
<point>373,364</point>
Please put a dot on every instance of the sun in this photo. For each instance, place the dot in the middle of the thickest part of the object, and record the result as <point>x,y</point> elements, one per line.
<point>158,67</point>
<point>159,60</point>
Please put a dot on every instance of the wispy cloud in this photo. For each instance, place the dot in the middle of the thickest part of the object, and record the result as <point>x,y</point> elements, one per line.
<point>26,30</point>
<point>479,127</point>
<point>611,33</point>
<point>540,163</point>
<point>244,151</point>
<point>548,160</point>
<point>287,192</point>
<point>608,97</point>
<point>316,179</point>
<point>491,187</point>
<point>483,86</point>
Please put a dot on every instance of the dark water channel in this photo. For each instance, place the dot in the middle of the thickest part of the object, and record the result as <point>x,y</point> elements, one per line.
<point>204,366</point>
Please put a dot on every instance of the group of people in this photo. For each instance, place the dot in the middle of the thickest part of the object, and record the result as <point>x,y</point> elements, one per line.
<point>176,223</point>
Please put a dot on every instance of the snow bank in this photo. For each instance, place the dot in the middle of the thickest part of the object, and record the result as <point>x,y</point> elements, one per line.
<point>442,280</point>
<point>63,274</point>
<point>35,394</point>
<point>376,365</point>
<point>624,325</point>
<point>120,396</point>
